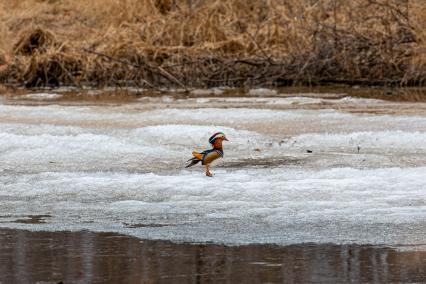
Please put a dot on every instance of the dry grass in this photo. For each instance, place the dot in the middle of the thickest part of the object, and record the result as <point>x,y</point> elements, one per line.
<point>202,43</point>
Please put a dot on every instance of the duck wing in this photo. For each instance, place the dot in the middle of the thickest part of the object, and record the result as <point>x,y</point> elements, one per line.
<point>211,155</point>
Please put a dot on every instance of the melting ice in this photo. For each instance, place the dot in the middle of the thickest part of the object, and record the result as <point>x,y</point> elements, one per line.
<point>120,168</point>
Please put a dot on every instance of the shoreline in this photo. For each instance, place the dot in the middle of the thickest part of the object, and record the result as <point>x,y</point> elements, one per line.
<point>206,44</point>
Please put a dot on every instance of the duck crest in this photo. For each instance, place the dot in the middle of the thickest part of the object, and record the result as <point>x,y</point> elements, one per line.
<point>214,136</point>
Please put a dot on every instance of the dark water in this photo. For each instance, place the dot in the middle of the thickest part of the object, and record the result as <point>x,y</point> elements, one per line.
<point>86,257</point>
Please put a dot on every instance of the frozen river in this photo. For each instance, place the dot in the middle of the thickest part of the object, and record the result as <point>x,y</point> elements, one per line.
<point>317,168</point>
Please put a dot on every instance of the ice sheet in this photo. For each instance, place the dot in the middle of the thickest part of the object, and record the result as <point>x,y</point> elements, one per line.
<point>283,120</point>
<point>279,205</point>
<point>120,168</point>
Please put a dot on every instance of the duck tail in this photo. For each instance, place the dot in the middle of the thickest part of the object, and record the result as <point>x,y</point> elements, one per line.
<point>192,162</point>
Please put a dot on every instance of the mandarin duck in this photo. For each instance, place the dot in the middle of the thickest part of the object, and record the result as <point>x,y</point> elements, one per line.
<point>208,156</point>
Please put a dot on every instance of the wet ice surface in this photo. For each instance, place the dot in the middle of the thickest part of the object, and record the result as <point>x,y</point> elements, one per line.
<point>289,175</point>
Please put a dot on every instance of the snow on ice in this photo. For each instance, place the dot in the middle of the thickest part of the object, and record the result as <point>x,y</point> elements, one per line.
<point>120,168</point>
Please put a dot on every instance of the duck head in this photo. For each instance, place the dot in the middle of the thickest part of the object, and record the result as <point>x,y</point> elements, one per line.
<point>216,139</point>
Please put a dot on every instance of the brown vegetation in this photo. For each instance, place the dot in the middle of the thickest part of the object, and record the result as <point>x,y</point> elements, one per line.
<point>199,43</point>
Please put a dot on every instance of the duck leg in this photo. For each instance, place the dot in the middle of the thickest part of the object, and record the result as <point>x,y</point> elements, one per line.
<point>208,173</point>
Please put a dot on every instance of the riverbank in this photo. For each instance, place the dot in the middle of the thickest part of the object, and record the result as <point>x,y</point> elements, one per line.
<point>203,44</point>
